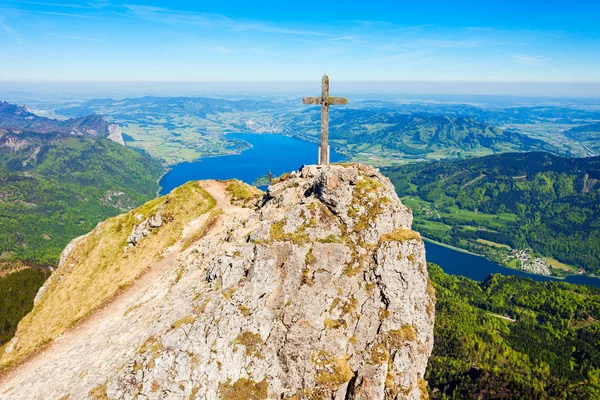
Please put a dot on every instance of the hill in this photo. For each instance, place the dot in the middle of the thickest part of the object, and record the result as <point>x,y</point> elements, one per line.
<point>417,134</point>
<point>493,204</point>
<point>17,120</point>
<point>176,129</point>
<point>588,135</point>
<point>514,338</point>
<point>317,288</point>
<point>57,181</point>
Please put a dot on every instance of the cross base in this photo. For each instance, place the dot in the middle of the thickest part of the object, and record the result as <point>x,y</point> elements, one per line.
<point>324,155</point>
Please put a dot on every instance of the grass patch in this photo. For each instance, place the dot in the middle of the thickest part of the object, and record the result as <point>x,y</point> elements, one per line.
<point>278,234</point>
<point>494,244</point>
<point>310,258</point>
<point>98,393</point>
<point>401,235</point>
<point>558,265</point>
<point>183,321</point>
<point>333,370</point>
<point>241,193</point>
<point>373,206</point>
<point>252,343</point>
<point>334,323</point>
<point>244,389</point>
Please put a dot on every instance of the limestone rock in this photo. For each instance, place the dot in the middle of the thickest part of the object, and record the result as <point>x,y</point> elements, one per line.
<point>142,230</point>
<point>319,290</point>
<point>115,134</point>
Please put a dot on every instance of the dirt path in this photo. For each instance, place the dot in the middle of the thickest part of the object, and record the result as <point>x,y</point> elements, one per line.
<point>104,330</point>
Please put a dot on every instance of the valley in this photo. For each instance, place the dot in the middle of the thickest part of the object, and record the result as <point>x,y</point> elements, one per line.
<point>183,129</point>
<point>532,211</point>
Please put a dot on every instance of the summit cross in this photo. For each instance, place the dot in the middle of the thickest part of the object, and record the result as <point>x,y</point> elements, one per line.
<point>325,101</point>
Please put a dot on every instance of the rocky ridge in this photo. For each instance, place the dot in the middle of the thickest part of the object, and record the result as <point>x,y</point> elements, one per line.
<point>317,289</point>
<point>17,124</point>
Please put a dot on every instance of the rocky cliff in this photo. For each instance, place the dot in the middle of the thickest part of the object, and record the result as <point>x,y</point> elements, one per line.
<point>316,289</point>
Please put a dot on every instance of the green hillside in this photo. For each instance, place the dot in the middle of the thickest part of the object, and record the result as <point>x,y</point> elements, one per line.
<point>415,135</point>
<point>514,338</point>
<point>493,204</point>
<point>72,184</point>
<point>55,187</point>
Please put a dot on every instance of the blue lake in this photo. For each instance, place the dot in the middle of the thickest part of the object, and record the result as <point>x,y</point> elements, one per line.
<point>277,153</point>
<point>478,268</point>
<point>281,154</point>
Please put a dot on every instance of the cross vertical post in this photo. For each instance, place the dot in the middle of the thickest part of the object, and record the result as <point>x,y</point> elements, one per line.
<point>325,101</point>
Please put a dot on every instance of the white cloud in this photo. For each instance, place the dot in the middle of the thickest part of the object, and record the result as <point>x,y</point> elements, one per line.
<point>210,20</point>
<point>10,32</point>
<point>87,39</point>
<point>527,59</point>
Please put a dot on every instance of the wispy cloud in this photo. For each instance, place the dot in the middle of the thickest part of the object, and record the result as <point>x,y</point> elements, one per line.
<point>56,13</point>
<point>528,59</point>
<point>87,39</point>
<point>337,39</point>
<point>210,20</point>
<point>407,28</point>
<point>408,57</point>
<point>42,3</point>
<point>462,43</point>
<point>10,31</point>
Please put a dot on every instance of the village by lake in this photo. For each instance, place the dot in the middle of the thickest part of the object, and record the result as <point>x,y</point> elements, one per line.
<point>278,154</point>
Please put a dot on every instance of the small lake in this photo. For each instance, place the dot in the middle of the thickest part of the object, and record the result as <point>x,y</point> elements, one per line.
<point>478,268</point>
<point>277,153</point>
<point>281,154</point>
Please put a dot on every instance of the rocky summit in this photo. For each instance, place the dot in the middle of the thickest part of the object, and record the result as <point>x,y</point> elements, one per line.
<point>316,289</point>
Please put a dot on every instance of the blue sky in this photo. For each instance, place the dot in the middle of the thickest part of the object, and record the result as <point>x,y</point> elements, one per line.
<point>236,40</point>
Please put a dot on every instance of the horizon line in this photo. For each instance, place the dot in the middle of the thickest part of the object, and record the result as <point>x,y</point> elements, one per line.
<point>293,81</point>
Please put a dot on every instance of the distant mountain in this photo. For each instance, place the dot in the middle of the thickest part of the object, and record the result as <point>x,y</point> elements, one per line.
<point>528,200</point>
<point>418,133</point>
<point>58,179</point>
<point>588,135</point>
<point>16,119</point>
<point>155,105</point>
<point>369,130</point>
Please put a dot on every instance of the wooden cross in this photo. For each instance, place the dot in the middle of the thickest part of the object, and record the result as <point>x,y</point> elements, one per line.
<point>325,101</point>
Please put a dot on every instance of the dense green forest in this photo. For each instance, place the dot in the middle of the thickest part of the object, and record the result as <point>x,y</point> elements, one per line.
<point>548,203</point>
<point>17,291</point>
<point>514,338</point>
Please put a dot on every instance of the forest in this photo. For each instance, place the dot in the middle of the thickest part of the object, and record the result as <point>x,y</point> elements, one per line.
<point>537,200</point>
<point>514,338</point>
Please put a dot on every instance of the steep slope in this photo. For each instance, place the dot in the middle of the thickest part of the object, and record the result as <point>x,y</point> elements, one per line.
<point>58,179</point>
<point>316,289</point>
<point>514,338</point>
